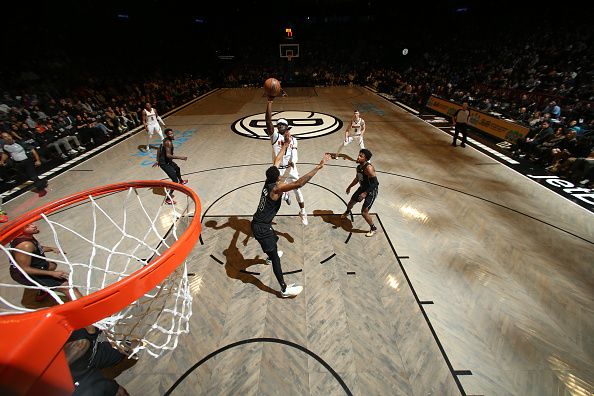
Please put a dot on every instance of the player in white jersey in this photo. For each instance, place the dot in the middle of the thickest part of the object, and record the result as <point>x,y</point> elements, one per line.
<point>151,121</point>
<point>358,130</point>
<point>288,164</point>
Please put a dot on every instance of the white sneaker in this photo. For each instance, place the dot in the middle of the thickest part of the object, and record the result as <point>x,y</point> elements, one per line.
<point>280,254</point>
<point>81,148</point>
<point>303,216</point>
<point>292,291</point>
<point>72,152</point>
<point>287,197</point>
<point>148,148</point>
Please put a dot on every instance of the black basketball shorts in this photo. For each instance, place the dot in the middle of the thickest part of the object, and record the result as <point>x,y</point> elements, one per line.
<point>369,199</point>
<point>265,235</point>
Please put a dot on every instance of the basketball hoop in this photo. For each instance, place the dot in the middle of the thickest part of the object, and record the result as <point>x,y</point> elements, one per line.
<point>134,284</point>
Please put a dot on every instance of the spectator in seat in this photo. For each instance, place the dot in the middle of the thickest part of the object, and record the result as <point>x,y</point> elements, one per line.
<point>25,158</point>
<point>521,116</point>
<point>582,169</point>
<point>553,109</point>
<point>486,106</point>
<point>111,120</point>
<point>527,145</point>
<point>576,128</point>
<point>62,138</point>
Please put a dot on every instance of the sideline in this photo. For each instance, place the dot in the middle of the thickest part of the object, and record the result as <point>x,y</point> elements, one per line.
<point>569,191</point>
<point>59,170</point>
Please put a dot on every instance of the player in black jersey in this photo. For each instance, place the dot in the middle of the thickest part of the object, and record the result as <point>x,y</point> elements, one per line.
<point>368,189</point>
<point>39,269</point>
<point>86,356</point>
<point>165,159</point>
<point>270,202</point>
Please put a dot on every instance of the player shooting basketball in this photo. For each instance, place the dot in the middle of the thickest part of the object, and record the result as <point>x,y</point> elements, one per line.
<point>288,164</point>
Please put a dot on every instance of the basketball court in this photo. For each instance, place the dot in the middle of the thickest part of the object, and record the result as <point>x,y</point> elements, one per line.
<point>479,281</point>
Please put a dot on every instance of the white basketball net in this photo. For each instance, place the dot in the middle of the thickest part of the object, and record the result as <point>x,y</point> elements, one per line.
<point>105,249</point>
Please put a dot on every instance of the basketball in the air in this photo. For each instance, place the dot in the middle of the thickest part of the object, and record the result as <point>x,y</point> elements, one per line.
<point>272,87</point>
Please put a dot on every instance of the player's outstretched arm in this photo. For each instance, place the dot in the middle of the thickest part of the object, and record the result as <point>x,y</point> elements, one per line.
<point>269,126</point>
<point>302,181</point>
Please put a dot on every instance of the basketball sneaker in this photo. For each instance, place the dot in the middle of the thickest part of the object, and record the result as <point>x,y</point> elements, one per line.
<point>170,201</point>
<point>184,181</point>
<point>303,216</point>
<point>280,254</point>
<point>291,290</point>
<point>372,231</point>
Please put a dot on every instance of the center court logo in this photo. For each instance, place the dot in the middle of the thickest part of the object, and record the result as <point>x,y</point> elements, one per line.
<point>304,124</point>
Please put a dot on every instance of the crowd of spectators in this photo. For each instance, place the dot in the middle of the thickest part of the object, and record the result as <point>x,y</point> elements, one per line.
<point>537,75</point>
<point>60,126</point>
<point>543,80</point>
<point>540,76</point>
<point>532,76</point>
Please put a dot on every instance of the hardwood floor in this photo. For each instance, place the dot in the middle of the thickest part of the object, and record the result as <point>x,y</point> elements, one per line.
<point>479,281</point>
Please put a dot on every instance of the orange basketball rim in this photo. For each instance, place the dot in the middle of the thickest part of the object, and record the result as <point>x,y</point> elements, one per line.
<point>32,360</point>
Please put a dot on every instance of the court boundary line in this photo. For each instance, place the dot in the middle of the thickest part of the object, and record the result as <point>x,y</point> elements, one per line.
<point>410,285</point>
<point>72,164</point>
<point>423,312</point>
<point>483,153</point>
<point>405,177</point>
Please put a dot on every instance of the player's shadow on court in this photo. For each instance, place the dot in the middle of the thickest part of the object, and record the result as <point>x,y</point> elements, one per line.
<point>32,301</point>
<point>236,265</point>
<point>244,227</point>
<point>334,219</point>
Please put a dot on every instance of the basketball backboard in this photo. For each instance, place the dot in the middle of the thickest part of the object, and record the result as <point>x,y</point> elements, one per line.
<point>289,50</point>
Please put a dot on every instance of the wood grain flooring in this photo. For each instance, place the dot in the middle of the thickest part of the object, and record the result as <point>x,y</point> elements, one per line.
<point>479,282</point>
